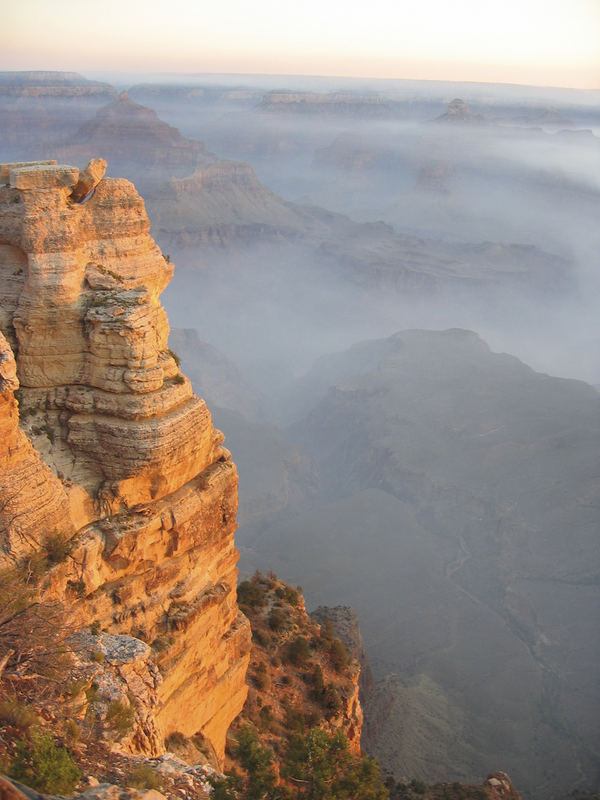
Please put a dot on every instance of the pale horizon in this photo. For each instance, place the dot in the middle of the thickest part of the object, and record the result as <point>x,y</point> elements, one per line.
<point>533,43</point>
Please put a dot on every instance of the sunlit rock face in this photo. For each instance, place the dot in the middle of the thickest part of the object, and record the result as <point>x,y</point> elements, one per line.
<point>32,499</point>
<point>128,463</point>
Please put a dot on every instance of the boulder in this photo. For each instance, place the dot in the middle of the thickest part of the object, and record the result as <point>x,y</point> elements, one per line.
<point>89,178</point>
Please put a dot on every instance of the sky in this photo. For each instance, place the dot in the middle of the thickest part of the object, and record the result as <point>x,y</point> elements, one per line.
<point>538,42</point>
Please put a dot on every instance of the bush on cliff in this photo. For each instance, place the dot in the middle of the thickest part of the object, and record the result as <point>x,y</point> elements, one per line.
<point>32,634</point>
<point>317,765</point>
<point>251,595</point>
<point>257,761</point>
<point>43,765</point>
<point>322,766</point>
<point>298,651</point>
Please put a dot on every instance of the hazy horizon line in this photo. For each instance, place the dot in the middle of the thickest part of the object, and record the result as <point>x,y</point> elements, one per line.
<point>304,75</point>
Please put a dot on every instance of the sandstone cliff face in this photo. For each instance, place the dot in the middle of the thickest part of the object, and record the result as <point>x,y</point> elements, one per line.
<point>31,496</point>
<point>132,469</point>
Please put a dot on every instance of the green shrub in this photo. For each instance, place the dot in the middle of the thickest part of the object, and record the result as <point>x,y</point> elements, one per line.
<point>261,637</point>
<point>262,678</point>
<point>226,788</point>
<point>72,731</point>
<point>298,651</point>
<point>17,715</point>
<point>77,588</point>
<point>43,765</point>
<point>276,619</point>
<point>74,688</point>
<point>258,763</point>
<point>338,655</point>
<point>318,686</point>
<point>98,656</point>
<point>295,721</point>
<point>265,718</point>
<point>95,627</point>
<point>323,765</point>
<point>91,693</point>
<point>143,777</point>
<point>175,357</point>
<point>120,717</point>
<point>327,635</point>
<point>179,379</point>
<point>250,595</point>
<point>331,700</point>
<point>288,594</point>
<point>105,271</point>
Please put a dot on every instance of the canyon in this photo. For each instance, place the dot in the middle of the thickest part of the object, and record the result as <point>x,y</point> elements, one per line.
<point>441,478</point>
<point>445,490</point>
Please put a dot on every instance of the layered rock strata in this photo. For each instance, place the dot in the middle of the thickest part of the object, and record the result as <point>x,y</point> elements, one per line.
<point>32,498</point>
<point>137,144</point>
<point>132,470</point>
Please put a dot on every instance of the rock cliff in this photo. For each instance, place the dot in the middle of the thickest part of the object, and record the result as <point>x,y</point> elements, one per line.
<point>344,621</point>
<point>459,111</point>
<point>38,108</point>
<point>477,478</point>
<point>343,103</point>
<point>299,671</point>
<point>120,459</point>
<point>137,144</point>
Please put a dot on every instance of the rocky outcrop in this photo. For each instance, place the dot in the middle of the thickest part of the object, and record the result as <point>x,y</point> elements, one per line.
<point>344,621</point>
<point>459,111</point>
<point>132,471</point>
<point>282,676</point>
<point>500,787</point>
<point>176,779</point>
<point>89,178</point>
<point>218,203</point>
<point>136,143</point>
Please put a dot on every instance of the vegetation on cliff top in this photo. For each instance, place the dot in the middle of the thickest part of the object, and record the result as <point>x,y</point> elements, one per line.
<point>298,734</point>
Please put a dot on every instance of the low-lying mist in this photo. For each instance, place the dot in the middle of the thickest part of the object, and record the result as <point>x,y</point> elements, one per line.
<point>274,309</point>
<point>504,181</point>
<point>446,489</point>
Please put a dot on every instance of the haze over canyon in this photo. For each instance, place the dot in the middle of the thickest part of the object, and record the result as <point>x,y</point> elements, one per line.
<point>387,294</point>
